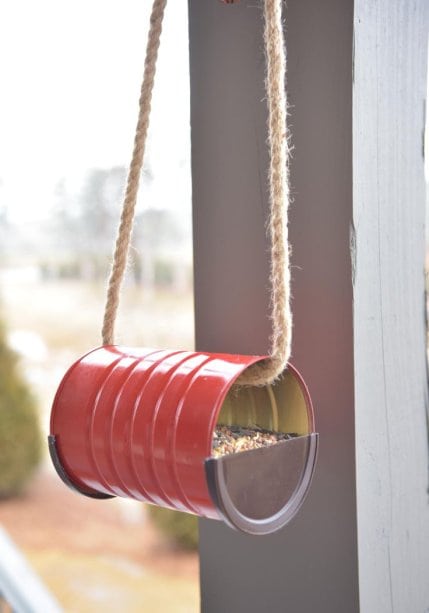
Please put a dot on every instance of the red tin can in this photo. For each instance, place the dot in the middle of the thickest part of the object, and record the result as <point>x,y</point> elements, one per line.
<point>139,423</point>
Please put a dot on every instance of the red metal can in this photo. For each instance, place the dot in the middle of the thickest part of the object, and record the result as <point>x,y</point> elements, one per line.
<point>139,423</point>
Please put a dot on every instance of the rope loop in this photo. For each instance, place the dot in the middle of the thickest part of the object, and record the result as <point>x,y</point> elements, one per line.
<point>281,317</point>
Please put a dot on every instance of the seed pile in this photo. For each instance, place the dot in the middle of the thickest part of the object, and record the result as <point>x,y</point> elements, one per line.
<point>233,439</point>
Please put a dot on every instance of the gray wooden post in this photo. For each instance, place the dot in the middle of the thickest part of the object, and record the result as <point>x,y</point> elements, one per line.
<point>357,234</point>
<point>390,335</point>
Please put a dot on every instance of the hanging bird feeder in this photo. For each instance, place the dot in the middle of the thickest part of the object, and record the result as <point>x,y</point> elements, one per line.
<point>140,423</point>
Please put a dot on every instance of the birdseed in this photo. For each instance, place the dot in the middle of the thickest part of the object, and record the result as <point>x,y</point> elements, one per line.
<point>233,439</point>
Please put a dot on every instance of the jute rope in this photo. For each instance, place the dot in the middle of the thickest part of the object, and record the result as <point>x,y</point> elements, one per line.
<point>127,217</point>
<point>281,317</point>
<point>281,314</point>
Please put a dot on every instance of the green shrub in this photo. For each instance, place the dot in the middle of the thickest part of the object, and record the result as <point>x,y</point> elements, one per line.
<point>181,528</point>
<point>20,439</point>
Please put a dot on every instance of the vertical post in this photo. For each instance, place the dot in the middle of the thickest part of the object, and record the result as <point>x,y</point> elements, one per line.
<point>390,332</point>
<point>312,564</point>
<point>229,169</point>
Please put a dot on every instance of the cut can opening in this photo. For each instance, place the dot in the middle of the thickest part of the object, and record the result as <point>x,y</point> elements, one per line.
<point>263,454</point>
<point>256,417</point>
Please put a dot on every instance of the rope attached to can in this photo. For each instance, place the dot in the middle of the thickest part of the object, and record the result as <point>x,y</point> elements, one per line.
<point>281,317</point>
<point>128,207</point>
<point>281,314</point>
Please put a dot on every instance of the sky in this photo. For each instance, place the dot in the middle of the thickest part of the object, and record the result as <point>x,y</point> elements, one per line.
<point>70,76</point>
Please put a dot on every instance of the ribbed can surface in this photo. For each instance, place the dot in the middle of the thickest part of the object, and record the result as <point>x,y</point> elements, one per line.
<point>139,423</point>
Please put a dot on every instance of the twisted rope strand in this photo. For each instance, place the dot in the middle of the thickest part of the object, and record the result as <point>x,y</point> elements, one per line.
<point>133,180</point>
<point>281,316</point>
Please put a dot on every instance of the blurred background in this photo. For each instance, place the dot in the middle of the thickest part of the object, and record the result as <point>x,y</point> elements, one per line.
<point>70,76</point>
